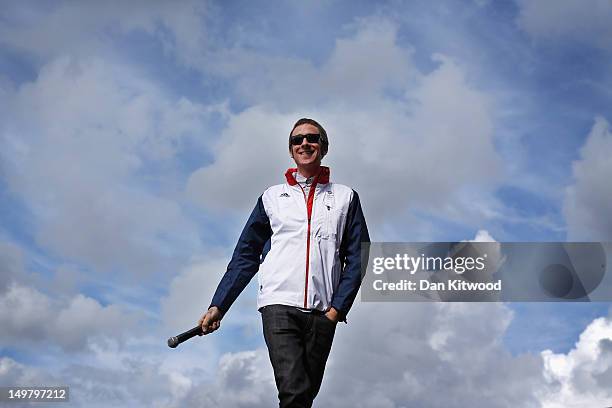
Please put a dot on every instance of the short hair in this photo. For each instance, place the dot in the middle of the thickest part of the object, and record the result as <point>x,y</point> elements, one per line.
<point>322,132</point>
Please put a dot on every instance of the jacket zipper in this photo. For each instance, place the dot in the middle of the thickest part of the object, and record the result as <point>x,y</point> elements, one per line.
<point>309,205</point>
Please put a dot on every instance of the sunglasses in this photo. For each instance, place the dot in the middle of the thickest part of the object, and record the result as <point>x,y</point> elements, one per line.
<point>297,140</point>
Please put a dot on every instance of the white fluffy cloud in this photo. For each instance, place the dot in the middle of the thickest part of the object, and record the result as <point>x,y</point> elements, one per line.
<point>247,374</point>
<point>29,318</point>
<point>190,293</point>
<point>588,200</point>
<point>430,147</point>
<point>252,154</point>
<point>428,355</point>
<point>583,376</point>
<point>568,19</point>
<point>241,380</point>
<point>11,264</point>
<point>39,312</point>
<point>12,372</point>
<point>74,147</point>
<point>361,68</point>
<point>84,29</point>
<point>389,355</point>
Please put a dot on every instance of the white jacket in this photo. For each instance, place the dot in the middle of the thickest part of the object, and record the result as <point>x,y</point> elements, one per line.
<point>307,249</point>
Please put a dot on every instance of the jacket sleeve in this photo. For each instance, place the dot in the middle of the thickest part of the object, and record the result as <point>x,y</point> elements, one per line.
<point>245,260</point>
<point>355,233</point>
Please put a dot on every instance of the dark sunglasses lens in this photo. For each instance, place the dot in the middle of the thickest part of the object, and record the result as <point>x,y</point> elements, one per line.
<point>297,140</point>
<point>313,138</point>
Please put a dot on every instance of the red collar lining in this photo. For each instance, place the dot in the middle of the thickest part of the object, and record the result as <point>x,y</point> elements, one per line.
<point>321,178</point>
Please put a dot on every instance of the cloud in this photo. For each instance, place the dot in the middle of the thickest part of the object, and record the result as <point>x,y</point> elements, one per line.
<point>11,264</point>
<point>37,311</point>
<point>136,383</point>
<point>247,374</point>
<point>417,354</point>
<point>583,376</point>
<point>572,20</point>
<point>76,147</point>
<point>85,29</point>
<point>189,296</point>
<point>406,354</point>
<point>368,86</point>
<point>190,293</point>
<point>13,373</point>
<point>587,204</point>
<point>241,379</point>
<point>431,355</point>
<point>398,354</point>
<point>430,146</point>
<point>29,318</point>
<point>360,69</point>
<point>13,259</point>
<point>428,355</point>
<point>45,311</point>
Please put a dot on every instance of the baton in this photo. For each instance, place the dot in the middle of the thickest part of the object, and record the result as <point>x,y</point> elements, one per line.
<point>176,340</point>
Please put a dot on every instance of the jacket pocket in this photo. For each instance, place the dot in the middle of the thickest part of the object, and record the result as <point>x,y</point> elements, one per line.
<point>331,219</point>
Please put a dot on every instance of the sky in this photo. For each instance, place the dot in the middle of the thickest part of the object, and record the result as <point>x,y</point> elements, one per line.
<point>135,138</point>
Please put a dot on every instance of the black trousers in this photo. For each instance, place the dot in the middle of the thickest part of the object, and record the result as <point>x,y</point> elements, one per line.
<point>298,344</point>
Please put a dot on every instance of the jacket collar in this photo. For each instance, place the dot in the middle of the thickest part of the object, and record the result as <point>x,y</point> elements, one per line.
<point>321,178</point>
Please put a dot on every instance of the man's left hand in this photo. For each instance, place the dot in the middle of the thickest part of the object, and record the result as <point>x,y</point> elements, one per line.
<point>332,314</point>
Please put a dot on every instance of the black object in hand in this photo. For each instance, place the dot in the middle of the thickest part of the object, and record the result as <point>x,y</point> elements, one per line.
<point>176,340</point>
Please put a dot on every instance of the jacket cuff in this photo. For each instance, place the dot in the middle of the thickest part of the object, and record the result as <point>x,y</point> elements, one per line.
<point>341,313</point>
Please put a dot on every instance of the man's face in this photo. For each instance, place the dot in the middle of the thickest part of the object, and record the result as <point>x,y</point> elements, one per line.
<point>306,153</point>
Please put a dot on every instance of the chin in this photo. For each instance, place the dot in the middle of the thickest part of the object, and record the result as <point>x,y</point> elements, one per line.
<point>307,162</point>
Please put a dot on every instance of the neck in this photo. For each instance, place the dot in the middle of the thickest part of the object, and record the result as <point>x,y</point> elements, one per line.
<point>309,170</point>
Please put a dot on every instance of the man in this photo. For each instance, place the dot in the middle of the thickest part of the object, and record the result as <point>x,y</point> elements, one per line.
<point>304,237</point>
